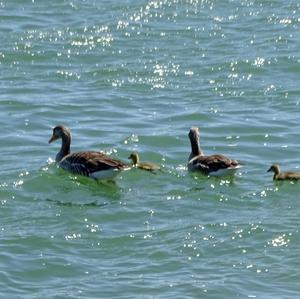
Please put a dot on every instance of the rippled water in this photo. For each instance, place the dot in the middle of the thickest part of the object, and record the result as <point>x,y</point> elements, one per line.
<point>136,75</point>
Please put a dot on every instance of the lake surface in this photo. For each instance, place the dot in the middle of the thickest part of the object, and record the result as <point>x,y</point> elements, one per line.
<point>135,76</point>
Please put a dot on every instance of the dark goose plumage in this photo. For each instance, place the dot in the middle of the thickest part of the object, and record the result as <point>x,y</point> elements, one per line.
<point>142,165</point>
<point>280,176</point>
<point>93,164</point>
<point>209,165</point>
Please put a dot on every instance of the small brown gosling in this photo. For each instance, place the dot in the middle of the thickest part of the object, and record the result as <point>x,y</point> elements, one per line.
<point>280,176</point>
<point>134,157</point>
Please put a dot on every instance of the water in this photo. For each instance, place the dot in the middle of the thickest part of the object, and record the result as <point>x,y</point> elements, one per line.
<point>136,75</point>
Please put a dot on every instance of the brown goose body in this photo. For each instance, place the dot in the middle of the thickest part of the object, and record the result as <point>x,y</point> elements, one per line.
<point>93,164</point>
<point>217,165</point>
<point>142,165</point>
<point>281,176</point>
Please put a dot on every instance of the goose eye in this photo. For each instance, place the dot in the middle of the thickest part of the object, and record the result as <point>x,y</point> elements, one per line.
<point>56,132</point>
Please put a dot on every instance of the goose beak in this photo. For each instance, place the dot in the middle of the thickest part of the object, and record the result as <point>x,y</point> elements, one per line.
<point>53,138</point>
<point>270,169</point>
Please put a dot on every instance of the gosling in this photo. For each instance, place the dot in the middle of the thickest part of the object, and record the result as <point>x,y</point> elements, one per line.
<point>134,157</point>
<point>280,176</point>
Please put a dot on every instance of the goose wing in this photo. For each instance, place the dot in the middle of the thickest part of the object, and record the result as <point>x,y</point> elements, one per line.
<point>212,163</point>
<point>86,163</point>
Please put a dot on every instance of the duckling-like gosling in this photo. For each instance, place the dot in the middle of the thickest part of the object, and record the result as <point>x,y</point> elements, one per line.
<point>134,157</point>
<point>280,176</point>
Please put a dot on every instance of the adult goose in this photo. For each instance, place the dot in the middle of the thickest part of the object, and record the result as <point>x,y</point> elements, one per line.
<point>134,157</point>
<point>280,176</point>
<point>89,163</point>
<point>216,165</point>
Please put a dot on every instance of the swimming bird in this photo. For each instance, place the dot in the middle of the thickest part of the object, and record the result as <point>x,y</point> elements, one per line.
<point>142,165</point>
<point>92,164</point>
<point>280,176</point>
<point>216,165</point>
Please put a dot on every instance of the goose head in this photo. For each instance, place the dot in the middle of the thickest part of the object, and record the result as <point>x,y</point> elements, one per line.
<point>194,135</point>
<point>60,132</point>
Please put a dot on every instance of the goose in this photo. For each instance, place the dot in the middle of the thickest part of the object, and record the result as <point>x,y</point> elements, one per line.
<point>280,176</point>
<point>92,164</point>
<point>142,165</point>
<point>215,165</point>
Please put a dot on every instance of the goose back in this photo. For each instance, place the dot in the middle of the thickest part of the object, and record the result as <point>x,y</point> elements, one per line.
<point>91,164</point>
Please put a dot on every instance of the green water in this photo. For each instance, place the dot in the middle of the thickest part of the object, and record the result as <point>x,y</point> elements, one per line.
<point>136,75</point>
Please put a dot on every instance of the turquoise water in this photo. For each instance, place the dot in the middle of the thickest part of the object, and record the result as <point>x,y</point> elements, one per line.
<point>136,75</point>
